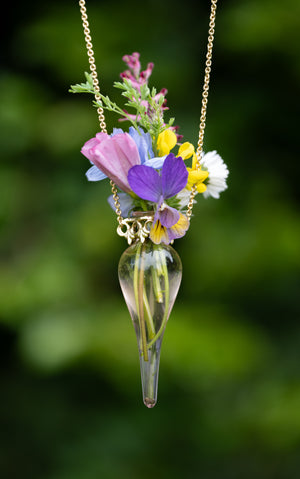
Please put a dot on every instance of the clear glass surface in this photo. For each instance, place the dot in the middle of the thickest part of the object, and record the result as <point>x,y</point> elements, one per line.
<point>150,277</point>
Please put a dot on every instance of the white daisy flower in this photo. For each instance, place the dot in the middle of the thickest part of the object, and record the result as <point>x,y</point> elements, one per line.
<point>218,172</point>
<point>184,198</point>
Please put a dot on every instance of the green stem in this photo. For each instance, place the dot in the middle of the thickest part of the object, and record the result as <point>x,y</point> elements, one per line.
<point>149,319</point>
<point>138,284</point>
<point>156,272</point>
<point>114,108</point>
<point>144,205</point>
<point>152,373</point>
<point>156,286</point>
<point>167,301</point>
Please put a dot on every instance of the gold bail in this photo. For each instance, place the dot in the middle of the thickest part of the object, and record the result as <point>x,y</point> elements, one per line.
<point>135,228</point>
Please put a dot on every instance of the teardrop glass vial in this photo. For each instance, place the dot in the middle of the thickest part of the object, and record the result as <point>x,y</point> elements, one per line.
<point>150,277</point>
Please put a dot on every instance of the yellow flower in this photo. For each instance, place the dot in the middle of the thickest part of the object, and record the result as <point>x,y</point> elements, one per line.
<point>196,177</point>
<point>195,161</point>
<point>186,150</point>
<point>165,142</point>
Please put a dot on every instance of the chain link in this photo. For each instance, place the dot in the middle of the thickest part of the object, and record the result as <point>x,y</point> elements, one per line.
<point>189,210</point>
<point>116,202</point>
<point>91,56</point>
<point>100,111</point>
<point>211,34</point>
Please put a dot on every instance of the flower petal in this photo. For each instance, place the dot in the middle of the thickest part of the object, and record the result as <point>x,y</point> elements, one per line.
<point>180,228</point>
<point>166,140</point>
<point>186,150</point>
<point>143,143</point>
<point>184,197</point>
<point>201,187</point>
<point>115,156</point>
<point>133,62</point>
<point>126,203</point>
<point>144,75</point>
<point>217,174</point>
<point>88,148</point>
<point>159,234</point>
<point>94,174</point>
<point>196,177</point>
<point>174,176</point>
<point>156,163</point>
<point>145,182</point>
<point>101,136</point>
<point>116,131</point>
<point>169,216</point>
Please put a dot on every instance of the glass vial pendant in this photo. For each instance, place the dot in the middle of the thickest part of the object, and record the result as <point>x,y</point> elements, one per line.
<point>150,277</point>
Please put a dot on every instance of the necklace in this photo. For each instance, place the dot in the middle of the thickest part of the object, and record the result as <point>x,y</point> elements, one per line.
<point>157,194</point>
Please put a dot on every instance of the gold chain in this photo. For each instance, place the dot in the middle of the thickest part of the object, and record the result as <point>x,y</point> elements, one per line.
<point>116,202</point>
<point>91,55</point>
<point>211,34</point>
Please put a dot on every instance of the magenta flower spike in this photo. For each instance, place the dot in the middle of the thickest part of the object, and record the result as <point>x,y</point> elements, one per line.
<point>133,62</point>
<point>134,73</point>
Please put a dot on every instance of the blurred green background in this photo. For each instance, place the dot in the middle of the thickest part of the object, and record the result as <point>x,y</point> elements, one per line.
<point>229,392</point>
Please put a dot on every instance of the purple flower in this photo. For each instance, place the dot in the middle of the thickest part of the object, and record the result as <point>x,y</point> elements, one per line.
<point>149,185</point>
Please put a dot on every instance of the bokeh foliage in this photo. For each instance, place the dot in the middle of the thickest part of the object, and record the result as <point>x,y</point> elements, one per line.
<point>229,390</point>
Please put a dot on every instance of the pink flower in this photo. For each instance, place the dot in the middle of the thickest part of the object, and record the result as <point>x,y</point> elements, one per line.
<point>114,156</point>
<point>88,148</point>
<point>139,78</point>
<point>133,62</point>
<point>134,73</point>
<point>144,75</point>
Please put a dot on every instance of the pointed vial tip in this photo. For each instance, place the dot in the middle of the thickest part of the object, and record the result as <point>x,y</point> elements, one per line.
<point>149,403</point>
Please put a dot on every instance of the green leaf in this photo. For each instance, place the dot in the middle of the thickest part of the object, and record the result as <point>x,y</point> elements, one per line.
<point>87,87</point>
